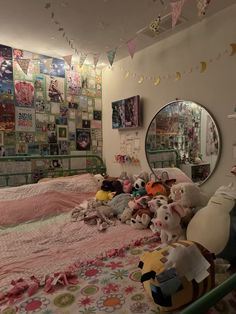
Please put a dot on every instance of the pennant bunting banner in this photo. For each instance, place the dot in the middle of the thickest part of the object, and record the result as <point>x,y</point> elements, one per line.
<point>176,9</point>
<point>202,6</point>
<point>131,44</point>
<point>111,56</point>
<point>68,59</point>
<point>48,64</point>
<point>24,64</point>
<point>82,58</point>
<point>96,57</point>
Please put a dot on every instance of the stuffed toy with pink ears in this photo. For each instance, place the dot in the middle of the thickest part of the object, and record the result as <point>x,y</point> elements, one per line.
<point>168,222</point>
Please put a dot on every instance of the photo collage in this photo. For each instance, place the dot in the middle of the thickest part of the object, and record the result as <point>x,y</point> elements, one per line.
<point>48,107</point>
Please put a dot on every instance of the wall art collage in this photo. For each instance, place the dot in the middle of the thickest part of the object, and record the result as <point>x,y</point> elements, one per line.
<point>48,107</point>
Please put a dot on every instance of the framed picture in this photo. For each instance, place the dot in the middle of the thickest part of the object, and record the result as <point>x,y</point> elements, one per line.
<point>62,132</point>
<point>1,138</point>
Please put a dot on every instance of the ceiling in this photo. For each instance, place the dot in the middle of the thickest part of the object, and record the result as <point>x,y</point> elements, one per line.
<point>91,26</point>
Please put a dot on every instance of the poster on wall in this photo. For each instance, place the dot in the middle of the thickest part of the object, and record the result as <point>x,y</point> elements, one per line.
<point>24,92</point>
<point>23,65</point>
<point>83,139</point>
<point>25,119</point>
<point>55,89</point>
<point>6,91</point>
<point>73,82</point>
<point>6,70</point>
<point>7,117</point>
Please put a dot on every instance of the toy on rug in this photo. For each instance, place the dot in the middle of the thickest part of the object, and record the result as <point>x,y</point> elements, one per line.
<point>177,274</point>
<point>214,226</point>
<point>168,222</point>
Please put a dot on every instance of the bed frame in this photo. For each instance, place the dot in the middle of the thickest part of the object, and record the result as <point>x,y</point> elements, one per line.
<point>18,170</point>
<point>163,158</point>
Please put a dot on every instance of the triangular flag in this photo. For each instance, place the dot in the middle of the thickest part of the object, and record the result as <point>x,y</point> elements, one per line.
<point>24,64</point>
<point>48,64</point>
<point>111,56</point>
<point>131,44</point>
<point>68,59</point>
<point>82,58</point>
<point>202,6</point>
<point>96,57</point>
<point>176,9</point>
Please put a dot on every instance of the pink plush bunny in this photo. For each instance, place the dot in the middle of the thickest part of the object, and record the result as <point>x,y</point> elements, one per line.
<point>168,222</point>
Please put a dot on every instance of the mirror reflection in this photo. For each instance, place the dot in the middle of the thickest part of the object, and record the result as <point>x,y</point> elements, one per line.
<point>183,135</point>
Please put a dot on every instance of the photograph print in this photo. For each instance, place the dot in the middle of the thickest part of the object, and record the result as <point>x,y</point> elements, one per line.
<point>83,139</point>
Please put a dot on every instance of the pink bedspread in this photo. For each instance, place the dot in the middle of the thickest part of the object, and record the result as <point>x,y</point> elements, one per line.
<point>54,244</point>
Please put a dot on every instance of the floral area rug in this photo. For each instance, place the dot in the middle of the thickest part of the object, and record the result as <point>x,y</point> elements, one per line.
<point>108,285</point>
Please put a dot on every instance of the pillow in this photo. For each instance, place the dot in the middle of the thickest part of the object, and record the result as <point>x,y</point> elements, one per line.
<point>42,200</point>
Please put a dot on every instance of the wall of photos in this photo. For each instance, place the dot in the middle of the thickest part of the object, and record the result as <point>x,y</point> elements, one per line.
<point>48,107</point>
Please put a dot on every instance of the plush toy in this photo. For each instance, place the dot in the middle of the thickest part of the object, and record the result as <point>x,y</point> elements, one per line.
<point>100,217</point>
<point>168,221</point>
<point>127,186</point>
<point>139,188</point>
<point>214,226</point>
<point>141,218</point>
<point>125,217</point>
<point>119,203</point>
<point>154,204</point>
<point>99,179</point>
<point>106,192</point>
<point>155,188</point>
<point>177,274</point>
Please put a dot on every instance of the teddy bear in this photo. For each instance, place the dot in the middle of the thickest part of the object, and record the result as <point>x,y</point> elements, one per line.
<point>168,221</point>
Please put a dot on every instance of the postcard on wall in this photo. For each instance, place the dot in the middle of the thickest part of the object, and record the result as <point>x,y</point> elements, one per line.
<point>63,110</point>
<point>61,120</point>
<point>62,133</point>
<point>41,137</point>
<point>6,69</point>
<point>51,118</point>
<point>71,136</point>
<point>54,149</point>
<point>24,93</point>
<point>21,148</point>
<point>90,116</point>
<point>33,149</point>
<point>98,104</point>
<point>83,103</point>
<point>26,137</point>
<point>71,125</point>
<point>72,105</point>
<point>97,115</point>
<point>90,102</point>
<point>10,150</point>
<point>86,124</point>
<point>96,124</point>
<point>63,147</point>
<point>6,92</point>
<point>44,149</point>
<point>52,136</point>
<point>41,105</point>
<point>84,115</point>
<point>55,89</point>
<point>25,119</point>
<point>10,138</point>
<point>55,108</point>
<point>83,139</point>
<point>7,116</point>
<point>72,113</point>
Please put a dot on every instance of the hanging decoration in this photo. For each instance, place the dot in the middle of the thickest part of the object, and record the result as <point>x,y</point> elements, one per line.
<point>24,64</point>
<point>233,47</point>
<point>176,9</point>
<point>141,79</point>
<point>82,58</point>
<point>178,76</point>
<point>154,26</point>
<point>111,56</point>
<point>131,44</point>
<point>203,66</point>
<point>157,81</point>
<point>202,6</point>
<point>127,74</point>
<point>96,57</point>
<point>68,59</point>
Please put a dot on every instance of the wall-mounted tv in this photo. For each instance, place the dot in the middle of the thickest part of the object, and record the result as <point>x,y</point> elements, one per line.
<point>126,113</point>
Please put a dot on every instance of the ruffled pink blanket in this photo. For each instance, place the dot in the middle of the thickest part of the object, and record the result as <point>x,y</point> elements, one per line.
<point>53,245</point>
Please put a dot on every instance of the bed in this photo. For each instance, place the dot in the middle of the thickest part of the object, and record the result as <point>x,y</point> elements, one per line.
<point>51,264</point>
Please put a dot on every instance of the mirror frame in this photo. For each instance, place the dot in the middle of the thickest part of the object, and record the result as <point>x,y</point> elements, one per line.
<point>217,127</point>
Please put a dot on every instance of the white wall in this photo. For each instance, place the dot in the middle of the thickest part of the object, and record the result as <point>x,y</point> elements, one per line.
<point>215,88</point>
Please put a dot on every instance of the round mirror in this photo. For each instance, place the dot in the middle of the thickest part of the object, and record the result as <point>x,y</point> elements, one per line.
<point>183,135</point>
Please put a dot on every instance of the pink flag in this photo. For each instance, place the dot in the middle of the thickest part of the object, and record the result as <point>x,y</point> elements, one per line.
<point>96,57</point>
<point>131,44</point>
<point>111,56</point>
<point>202,6</point>
<point>82,58</point>
<point>68,59</point>
<point>176,11</point>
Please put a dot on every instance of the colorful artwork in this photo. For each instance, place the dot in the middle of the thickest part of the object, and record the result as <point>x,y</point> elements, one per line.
<point>24,92</point>
<point>73,82</point>
<point>6,70</point>
<point>7,117</point>
<point>55,89</point>
<point>6,91</point>
<point>25,119</point>
<point>83,139</point>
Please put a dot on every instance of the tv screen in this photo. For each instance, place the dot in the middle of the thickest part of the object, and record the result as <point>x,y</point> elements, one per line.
<point>126,113</point>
